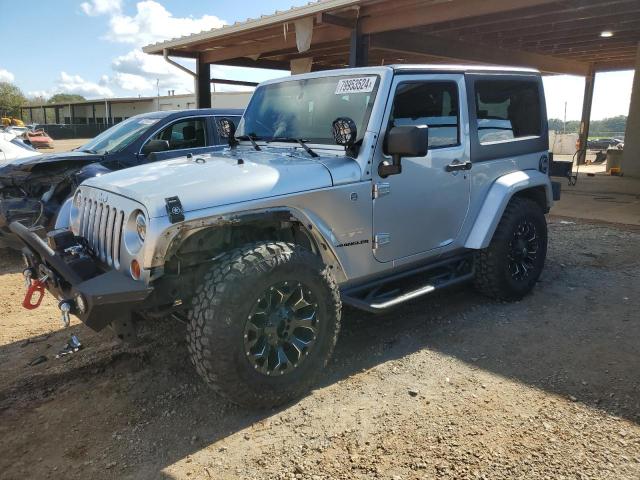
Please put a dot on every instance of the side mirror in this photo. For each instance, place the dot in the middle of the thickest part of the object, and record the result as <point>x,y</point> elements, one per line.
<point>405,141</point>
<point>155,146</point>
<point>345,131</point>
<point>227,129</point>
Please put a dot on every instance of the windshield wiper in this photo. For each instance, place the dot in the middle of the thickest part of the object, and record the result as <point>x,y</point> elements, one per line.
<point>252,138</point>
<point>88,150</point>
<point>300,141</point>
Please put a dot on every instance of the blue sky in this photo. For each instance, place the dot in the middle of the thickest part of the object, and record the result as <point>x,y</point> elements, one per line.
<point>92,47</point>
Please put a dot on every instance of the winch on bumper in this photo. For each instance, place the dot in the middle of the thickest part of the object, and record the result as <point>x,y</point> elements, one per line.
<point>63,265</point>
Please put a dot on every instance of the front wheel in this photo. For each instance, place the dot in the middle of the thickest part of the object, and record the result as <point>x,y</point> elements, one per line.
<point>264,323</point>
<point>512,263</point>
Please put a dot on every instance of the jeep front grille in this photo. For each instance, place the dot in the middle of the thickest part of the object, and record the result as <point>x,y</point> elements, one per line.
<point>101,226</point>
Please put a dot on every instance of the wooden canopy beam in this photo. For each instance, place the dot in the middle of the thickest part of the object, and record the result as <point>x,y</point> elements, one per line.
<point>447,48</point>
<point>320,35</point>
<point>348,23</point>
<point>593,25</point>
<point>632,35</point>
<point>533,17</point>
<point>241,83</point>
<point>614,65</point>
<point>402,18</point>
<point>260,63</point>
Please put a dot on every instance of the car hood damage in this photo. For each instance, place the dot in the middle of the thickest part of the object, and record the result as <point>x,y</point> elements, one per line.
<point>228,177</point>
<point>51,167</point>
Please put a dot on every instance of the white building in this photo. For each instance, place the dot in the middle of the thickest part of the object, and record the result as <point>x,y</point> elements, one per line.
<point>114,110</point>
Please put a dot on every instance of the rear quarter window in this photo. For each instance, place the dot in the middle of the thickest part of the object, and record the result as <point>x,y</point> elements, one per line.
<point>507,110</point>
<point>507,115</point>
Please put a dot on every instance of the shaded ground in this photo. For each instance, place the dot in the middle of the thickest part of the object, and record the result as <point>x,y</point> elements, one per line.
<point>450,386</point>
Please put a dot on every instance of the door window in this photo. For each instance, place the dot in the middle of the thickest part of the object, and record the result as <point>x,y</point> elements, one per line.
<point>434,104</point>
<point>189,133</point>
<point>507,110</point>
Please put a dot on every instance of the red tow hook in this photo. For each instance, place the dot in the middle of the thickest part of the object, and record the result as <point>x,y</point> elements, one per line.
<point>36,287</point>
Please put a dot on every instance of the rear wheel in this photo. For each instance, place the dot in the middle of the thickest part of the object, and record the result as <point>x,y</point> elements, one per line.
<point>264,323</point>
<point>512,263</point>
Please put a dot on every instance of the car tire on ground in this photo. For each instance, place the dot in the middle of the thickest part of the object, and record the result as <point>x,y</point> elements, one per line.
<point>512,263</point>
<point>263,323</point>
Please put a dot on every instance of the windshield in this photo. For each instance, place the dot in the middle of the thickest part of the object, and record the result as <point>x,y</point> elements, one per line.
<point>118,136</point>
<point>305,109</point>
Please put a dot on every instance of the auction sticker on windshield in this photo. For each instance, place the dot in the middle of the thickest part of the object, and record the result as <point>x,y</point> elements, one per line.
<point>355,85</point>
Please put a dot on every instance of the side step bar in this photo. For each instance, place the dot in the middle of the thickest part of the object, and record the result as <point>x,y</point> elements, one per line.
<point>384,293</point>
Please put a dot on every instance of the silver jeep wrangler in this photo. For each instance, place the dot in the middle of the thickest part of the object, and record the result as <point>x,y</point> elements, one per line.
<point>367,187</point>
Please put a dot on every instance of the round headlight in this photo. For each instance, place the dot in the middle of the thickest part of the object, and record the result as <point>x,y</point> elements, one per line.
<point>141,226</point>
<point>135,231</point>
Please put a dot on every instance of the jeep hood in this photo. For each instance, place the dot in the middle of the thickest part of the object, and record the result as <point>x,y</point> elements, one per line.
<point>232,176</point>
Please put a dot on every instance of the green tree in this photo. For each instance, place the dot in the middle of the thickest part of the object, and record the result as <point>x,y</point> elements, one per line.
<point>37,100</point>
<point>555,124</point>
<point>66,98</point>
<point>11,99</point>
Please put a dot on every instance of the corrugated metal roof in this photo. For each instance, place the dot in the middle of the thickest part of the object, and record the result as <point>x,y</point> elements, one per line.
<point>277,17</point>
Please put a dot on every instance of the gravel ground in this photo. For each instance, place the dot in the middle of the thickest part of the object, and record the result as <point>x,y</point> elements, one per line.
<point>450,386</point>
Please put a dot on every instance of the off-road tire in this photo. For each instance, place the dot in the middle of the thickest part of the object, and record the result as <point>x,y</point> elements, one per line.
<point>493,277</point>
<point>219,312</point>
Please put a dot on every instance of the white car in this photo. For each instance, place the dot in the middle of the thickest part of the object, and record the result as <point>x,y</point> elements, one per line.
<point>13,148</point>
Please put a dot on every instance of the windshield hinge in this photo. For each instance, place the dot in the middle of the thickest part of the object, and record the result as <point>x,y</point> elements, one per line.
<point>380,189</point>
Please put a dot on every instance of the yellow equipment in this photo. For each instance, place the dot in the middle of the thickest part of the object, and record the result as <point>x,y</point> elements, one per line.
<point>12,122</point>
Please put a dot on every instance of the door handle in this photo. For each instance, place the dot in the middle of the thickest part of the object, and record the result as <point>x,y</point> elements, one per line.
<point>457,166</point>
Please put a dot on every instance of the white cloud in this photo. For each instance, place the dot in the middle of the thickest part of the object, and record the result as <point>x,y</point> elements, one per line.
<point>100,7</point>
<point>38,94</point>
<point>153,22</point>
<point>78,85</point>
<point>75,84</point>
<point>138,72</point>
<point>6,76</point>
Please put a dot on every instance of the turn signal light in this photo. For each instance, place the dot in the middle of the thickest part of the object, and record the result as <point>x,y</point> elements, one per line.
<point>135,269</point>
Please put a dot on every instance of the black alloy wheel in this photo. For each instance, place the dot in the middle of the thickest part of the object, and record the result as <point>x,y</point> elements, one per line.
<point>281,328</point>
<point>523,250</point>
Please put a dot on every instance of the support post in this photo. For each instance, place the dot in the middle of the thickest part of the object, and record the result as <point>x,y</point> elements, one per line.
<point>631,155</point>
<point>72,110</point>
<point>589,83</point>
<point>359,48</point>
<point>44,114</point>
<point>57,113</point>
<point>93,108</point>
<point>203,84</point>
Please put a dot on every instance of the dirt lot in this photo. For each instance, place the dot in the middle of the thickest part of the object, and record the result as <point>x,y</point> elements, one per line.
<point>65,145</point>
<point>451,386</point>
